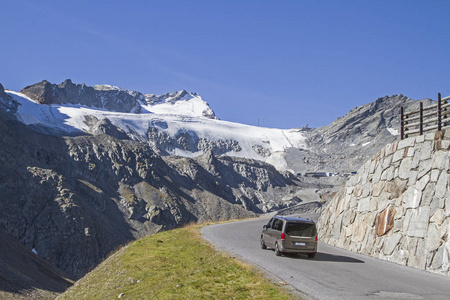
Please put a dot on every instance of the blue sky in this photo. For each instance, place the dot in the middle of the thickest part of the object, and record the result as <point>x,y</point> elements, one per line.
<point>283,63</point>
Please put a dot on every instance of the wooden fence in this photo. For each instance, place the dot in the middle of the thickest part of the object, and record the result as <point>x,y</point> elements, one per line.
<point>434,117</point>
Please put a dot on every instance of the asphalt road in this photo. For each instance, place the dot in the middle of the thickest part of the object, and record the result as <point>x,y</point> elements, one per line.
<point>334,273</point>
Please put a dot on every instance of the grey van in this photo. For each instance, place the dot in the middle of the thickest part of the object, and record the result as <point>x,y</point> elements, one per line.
<point>290,235</point>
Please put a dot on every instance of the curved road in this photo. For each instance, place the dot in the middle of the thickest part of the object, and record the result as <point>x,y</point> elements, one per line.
<point>334,273</point>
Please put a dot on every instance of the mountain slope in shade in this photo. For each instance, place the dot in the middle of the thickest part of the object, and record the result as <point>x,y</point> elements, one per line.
<point>24,275</point>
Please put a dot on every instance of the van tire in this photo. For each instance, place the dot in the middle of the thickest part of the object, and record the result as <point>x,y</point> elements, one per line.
<point>277,250</point>
<point>263,246</point>
<point>311,255</point>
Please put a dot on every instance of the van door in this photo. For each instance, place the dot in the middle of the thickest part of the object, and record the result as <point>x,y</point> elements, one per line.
<point>275,233</point>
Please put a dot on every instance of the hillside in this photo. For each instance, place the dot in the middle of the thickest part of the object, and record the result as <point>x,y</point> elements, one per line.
<point>175,264</point>
<point>24,275</point>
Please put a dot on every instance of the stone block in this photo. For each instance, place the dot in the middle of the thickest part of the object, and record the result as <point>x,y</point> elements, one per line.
<point>405,168</point>
<point>364,204</point>
<point>336,229</point>
<point>386,162</point>
<point>388,149</point>
<point>398,225</point>
<point>420,139</point>
<point>367,190</point>
<point>424,167</point>
<point>444,229</point>
<point>373,164</point>
<point>428,193</point>
<point>426,150</point>
<point>359,230</point>
<point>373,203</point>
<point>447,204</point>
<point>396,187</point>
<point>383,201</point>
<point>418,225</point>
<point>398,155</point>
<point>388,174</point>
<point>349,189</point>
<point>440,159</point>
<point>438,217</point>
<point>429,136</point>
<point>377,188</point>
<point>412,197</point>
<point>445,145</point>
<point>399,257</point>
<point>349,230</point>
<point>408,142</point>
<point>438,258</point>
<point>391,242</point>
<point>411,151</point>
<point>418,258</point>
<point>346,219</point>
<point>385,221</point>
<point>435,175</point>
<point>377,175</point>
<point>416,160</point>
<point>433,240</point>
<point>446,133</point>
<point>441,185</point>
<point>407,219</point>
<point>412,177</point>
<point>422,183</point>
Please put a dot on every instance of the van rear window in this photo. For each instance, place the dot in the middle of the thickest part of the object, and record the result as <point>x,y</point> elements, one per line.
<point>300,229</point>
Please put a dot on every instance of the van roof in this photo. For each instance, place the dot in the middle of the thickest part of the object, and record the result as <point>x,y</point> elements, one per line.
<point>295,219</point>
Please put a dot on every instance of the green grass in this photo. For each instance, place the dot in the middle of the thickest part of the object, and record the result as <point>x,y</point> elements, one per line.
<point>175,264</point>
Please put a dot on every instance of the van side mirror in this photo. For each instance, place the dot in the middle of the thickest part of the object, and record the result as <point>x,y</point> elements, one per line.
<point>265,227</point>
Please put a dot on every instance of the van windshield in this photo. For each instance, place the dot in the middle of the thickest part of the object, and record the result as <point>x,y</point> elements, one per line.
<point>300,229</point>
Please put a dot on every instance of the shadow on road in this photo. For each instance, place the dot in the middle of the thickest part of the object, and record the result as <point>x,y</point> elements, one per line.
<point>327,257</point>
<point>338,258</point>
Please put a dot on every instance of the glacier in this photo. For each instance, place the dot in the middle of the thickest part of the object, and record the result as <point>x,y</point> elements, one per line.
<point>181,113</point>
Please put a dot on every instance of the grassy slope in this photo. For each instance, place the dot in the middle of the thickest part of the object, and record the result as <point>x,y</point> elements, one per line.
<point>175,264</point>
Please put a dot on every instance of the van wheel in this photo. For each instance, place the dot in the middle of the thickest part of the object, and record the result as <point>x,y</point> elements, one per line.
<point>263,246</point>
<point>311,255</point>
<point>277,250</point>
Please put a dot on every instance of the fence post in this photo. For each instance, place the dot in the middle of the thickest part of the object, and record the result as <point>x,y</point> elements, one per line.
<point>439,113</point>
<point>421,119</point>
<point>402,130</point>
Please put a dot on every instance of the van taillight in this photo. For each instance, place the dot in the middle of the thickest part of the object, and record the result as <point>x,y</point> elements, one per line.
<point>317,238</point>
<point>282,236</point>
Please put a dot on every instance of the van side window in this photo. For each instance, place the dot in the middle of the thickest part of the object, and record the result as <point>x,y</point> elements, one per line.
<point>269,225</point>
<point>277,224</point>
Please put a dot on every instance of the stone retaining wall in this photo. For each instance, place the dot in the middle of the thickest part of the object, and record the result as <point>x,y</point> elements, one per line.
<point>397,207</point>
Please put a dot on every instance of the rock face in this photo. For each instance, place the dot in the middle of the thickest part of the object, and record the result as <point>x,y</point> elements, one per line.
<point>118,100</point>
<point>345,144</point>
<point>397,207</point>
<point>6,101</point>
<point>76,199</point>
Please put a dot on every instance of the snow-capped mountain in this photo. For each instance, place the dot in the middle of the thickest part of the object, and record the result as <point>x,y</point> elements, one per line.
<point>179,123</point>
<point>183,124</point>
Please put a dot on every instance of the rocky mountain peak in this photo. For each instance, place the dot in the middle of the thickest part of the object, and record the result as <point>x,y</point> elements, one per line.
<point>350,140</point>
<point>171,98</point>
<point>67,92</point>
